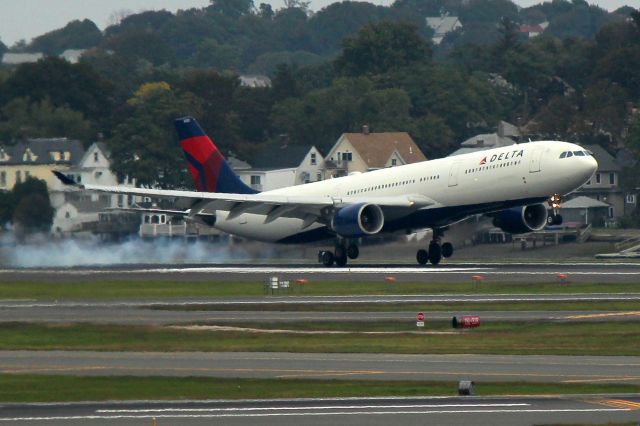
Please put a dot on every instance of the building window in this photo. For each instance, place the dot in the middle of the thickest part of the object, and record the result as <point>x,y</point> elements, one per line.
<point>18,176</point>
<point>313,158</point>
<point>612,178</point>
<point>597,177</point>
<point>98,174</point>
<point>630,199</point>
<point>255,180</point>
<point>394,162</point>
<point>347,156</point>
<point>120,200</point>
<point>610,212</point>
<point>3,178</point>
<point>27,175</point>
<point>79,179</point>
<point>95,157</point>
<point>319,176</point>
<point>67,215</point>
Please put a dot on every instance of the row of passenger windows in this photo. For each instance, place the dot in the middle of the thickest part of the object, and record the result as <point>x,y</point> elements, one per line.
<point>391,185</point>
<point>492,166</point>
<point>568,154</point>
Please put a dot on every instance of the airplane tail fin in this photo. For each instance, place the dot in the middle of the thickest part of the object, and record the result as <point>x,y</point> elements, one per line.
<point>209,169</point>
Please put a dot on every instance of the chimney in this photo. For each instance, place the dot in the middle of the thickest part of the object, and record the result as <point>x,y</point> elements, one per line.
<point>365,129</point>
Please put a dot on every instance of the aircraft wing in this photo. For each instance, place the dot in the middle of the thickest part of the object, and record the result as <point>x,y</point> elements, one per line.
<point>309,208</point>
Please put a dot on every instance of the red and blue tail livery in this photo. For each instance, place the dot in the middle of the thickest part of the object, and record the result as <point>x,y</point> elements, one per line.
<point>209,169</point>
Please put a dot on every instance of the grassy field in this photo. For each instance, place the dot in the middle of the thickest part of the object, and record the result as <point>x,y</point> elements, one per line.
<point>524,338</point>
<point>81,290</point>
<point>37,388</point>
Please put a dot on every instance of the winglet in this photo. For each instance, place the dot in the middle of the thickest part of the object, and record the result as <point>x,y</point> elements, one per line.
<point>66,180</point>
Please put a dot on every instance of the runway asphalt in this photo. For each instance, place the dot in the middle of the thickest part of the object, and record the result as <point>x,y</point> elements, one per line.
<point>105,313</point>
<point>446,411</point>
<point>534,368</point>
<point>530,272</point>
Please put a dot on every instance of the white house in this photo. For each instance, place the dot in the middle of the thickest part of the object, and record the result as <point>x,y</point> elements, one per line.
<point>281,166</point>
<point>441,26</point>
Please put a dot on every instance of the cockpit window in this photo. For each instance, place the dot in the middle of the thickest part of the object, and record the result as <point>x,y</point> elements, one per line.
<point>578,153</point>
<point>564,154</point>
<point>569,154</point>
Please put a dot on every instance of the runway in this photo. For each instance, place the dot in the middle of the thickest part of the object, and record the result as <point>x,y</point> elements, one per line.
<point>106,313</point>
<point>457,272</point>
<point>512,411</point>
<point>480,368</point>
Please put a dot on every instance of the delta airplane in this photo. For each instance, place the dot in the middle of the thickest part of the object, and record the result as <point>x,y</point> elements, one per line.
<point>510,184</point>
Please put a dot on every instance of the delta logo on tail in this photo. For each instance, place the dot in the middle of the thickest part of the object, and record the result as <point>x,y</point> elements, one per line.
<point>208,168</point>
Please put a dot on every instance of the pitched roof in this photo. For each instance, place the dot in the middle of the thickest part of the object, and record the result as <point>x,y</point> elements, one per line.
<point>583,202</point>
<point>487,140</point>
<point>443,24</point>
<point>280,156</point>
<point>606,162</point>
<point>376,148</point>
<point>44,151</point>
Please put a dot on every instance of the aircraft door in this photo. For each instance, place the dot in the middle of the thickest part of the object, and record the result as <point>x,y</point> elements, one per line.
<point>534,163</point>
<point>453,174</point>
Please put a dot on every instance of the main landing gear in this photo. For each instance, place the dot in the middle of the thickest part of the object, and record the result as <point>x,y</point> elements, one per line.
<point>436,251</point>
<point>339,256</point>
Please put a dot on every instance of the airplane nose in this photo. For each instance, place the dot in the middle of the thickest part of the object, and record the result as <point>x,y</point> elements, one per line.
<point>592,165</point>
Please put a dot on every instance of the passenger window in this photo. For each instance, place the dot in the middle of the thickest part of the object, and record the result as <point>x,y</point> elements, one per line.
<point>569,154</point>
<point>578,153</point>
<point>564,154</point>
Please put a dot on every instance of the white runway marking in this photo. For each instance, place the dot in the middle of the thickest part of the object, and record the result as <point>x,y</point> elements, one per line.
<point>311,413</point>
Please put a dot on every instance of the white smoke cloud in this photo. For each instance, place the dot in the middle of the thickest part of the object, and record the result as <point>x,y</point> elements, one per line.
<point>43,251</point>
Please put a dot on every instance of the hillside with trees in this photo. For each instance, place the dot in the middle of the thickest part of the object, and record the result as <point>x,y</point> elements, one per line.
<point>350,64</point>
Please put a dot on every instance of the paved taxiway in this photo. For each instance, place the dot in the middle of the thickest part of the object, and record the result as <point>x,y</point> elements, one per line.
<point>512,411</point>
<point>530,272</point>
<point>534,368</point>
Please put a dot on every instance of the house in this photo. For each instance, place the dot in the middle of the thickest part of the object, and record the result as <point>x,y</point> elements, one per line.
<point>533,30</point>
<point>37,158</point>
<point>583,210</point>
<point>72,55</point>
<point>20,58</point>
<point>506,135</point>
<point>281,166</point>
<point>366,151</point>
<point>255,81</point>
<point>604,185</point>
<point>441,26</point>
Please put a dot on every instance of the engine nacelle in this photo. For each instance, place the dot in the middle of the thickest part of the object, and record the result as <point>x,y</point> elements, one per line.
<point>520,220</point>
<point>358,220</point>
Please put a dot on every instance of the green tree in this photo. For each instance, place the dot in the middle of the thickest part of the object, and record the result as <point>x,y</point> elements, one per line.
<point>7,206</point>
<point>232,8</point>
<point>75,35</point>
<point>378,48</point>
<point>33,211</point>
<point>21,119</point>
<point>144,146</point>
<point>434,137</point>
<point>633,135</point>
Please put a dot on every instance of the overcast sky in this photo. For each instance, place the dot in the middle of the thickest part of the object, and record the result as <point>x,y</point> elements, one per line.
<point>25,19</point>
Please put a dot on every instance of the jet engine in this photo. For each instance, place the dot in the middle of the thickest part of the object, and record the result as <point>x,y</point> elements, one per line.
<point>520,220</point>
<point>358,220</point>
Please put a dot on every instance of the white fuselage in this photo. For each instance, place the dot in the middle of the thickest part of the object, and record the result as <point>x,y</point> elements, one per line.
<point>478,182</point>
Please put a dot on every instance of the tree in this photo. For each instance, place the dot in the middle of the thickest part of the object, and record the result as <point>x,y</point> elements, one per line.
<point>76,86</point>
<point>33,211</point>
<point>22,119</point>
<point>633,134</point>
<point>378,48</point>
<point>144,146</point>
<point>75,35</point>
<point>232,8</point>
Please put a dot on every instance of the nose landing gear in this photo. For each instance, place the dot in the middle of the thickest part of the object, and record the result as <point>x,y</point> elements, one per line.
<point>555,218</point>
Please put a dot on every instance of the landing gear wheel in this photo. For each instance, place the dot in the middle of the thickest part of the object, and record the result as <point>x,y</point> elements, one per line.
<point>353,251</point>
<point>447,250</point>
<point>340,255</point>
<point>422,257</point>
<point>435,253</point>
<point>557,219</point>
<point>327,258</point>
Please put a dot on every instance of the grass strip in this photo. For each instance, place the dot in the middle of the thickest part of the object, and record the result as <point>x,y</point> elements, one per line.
<point>92,290</point>
<point>521,338</point>
<point>618,305</point>
<point>42,388</point>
